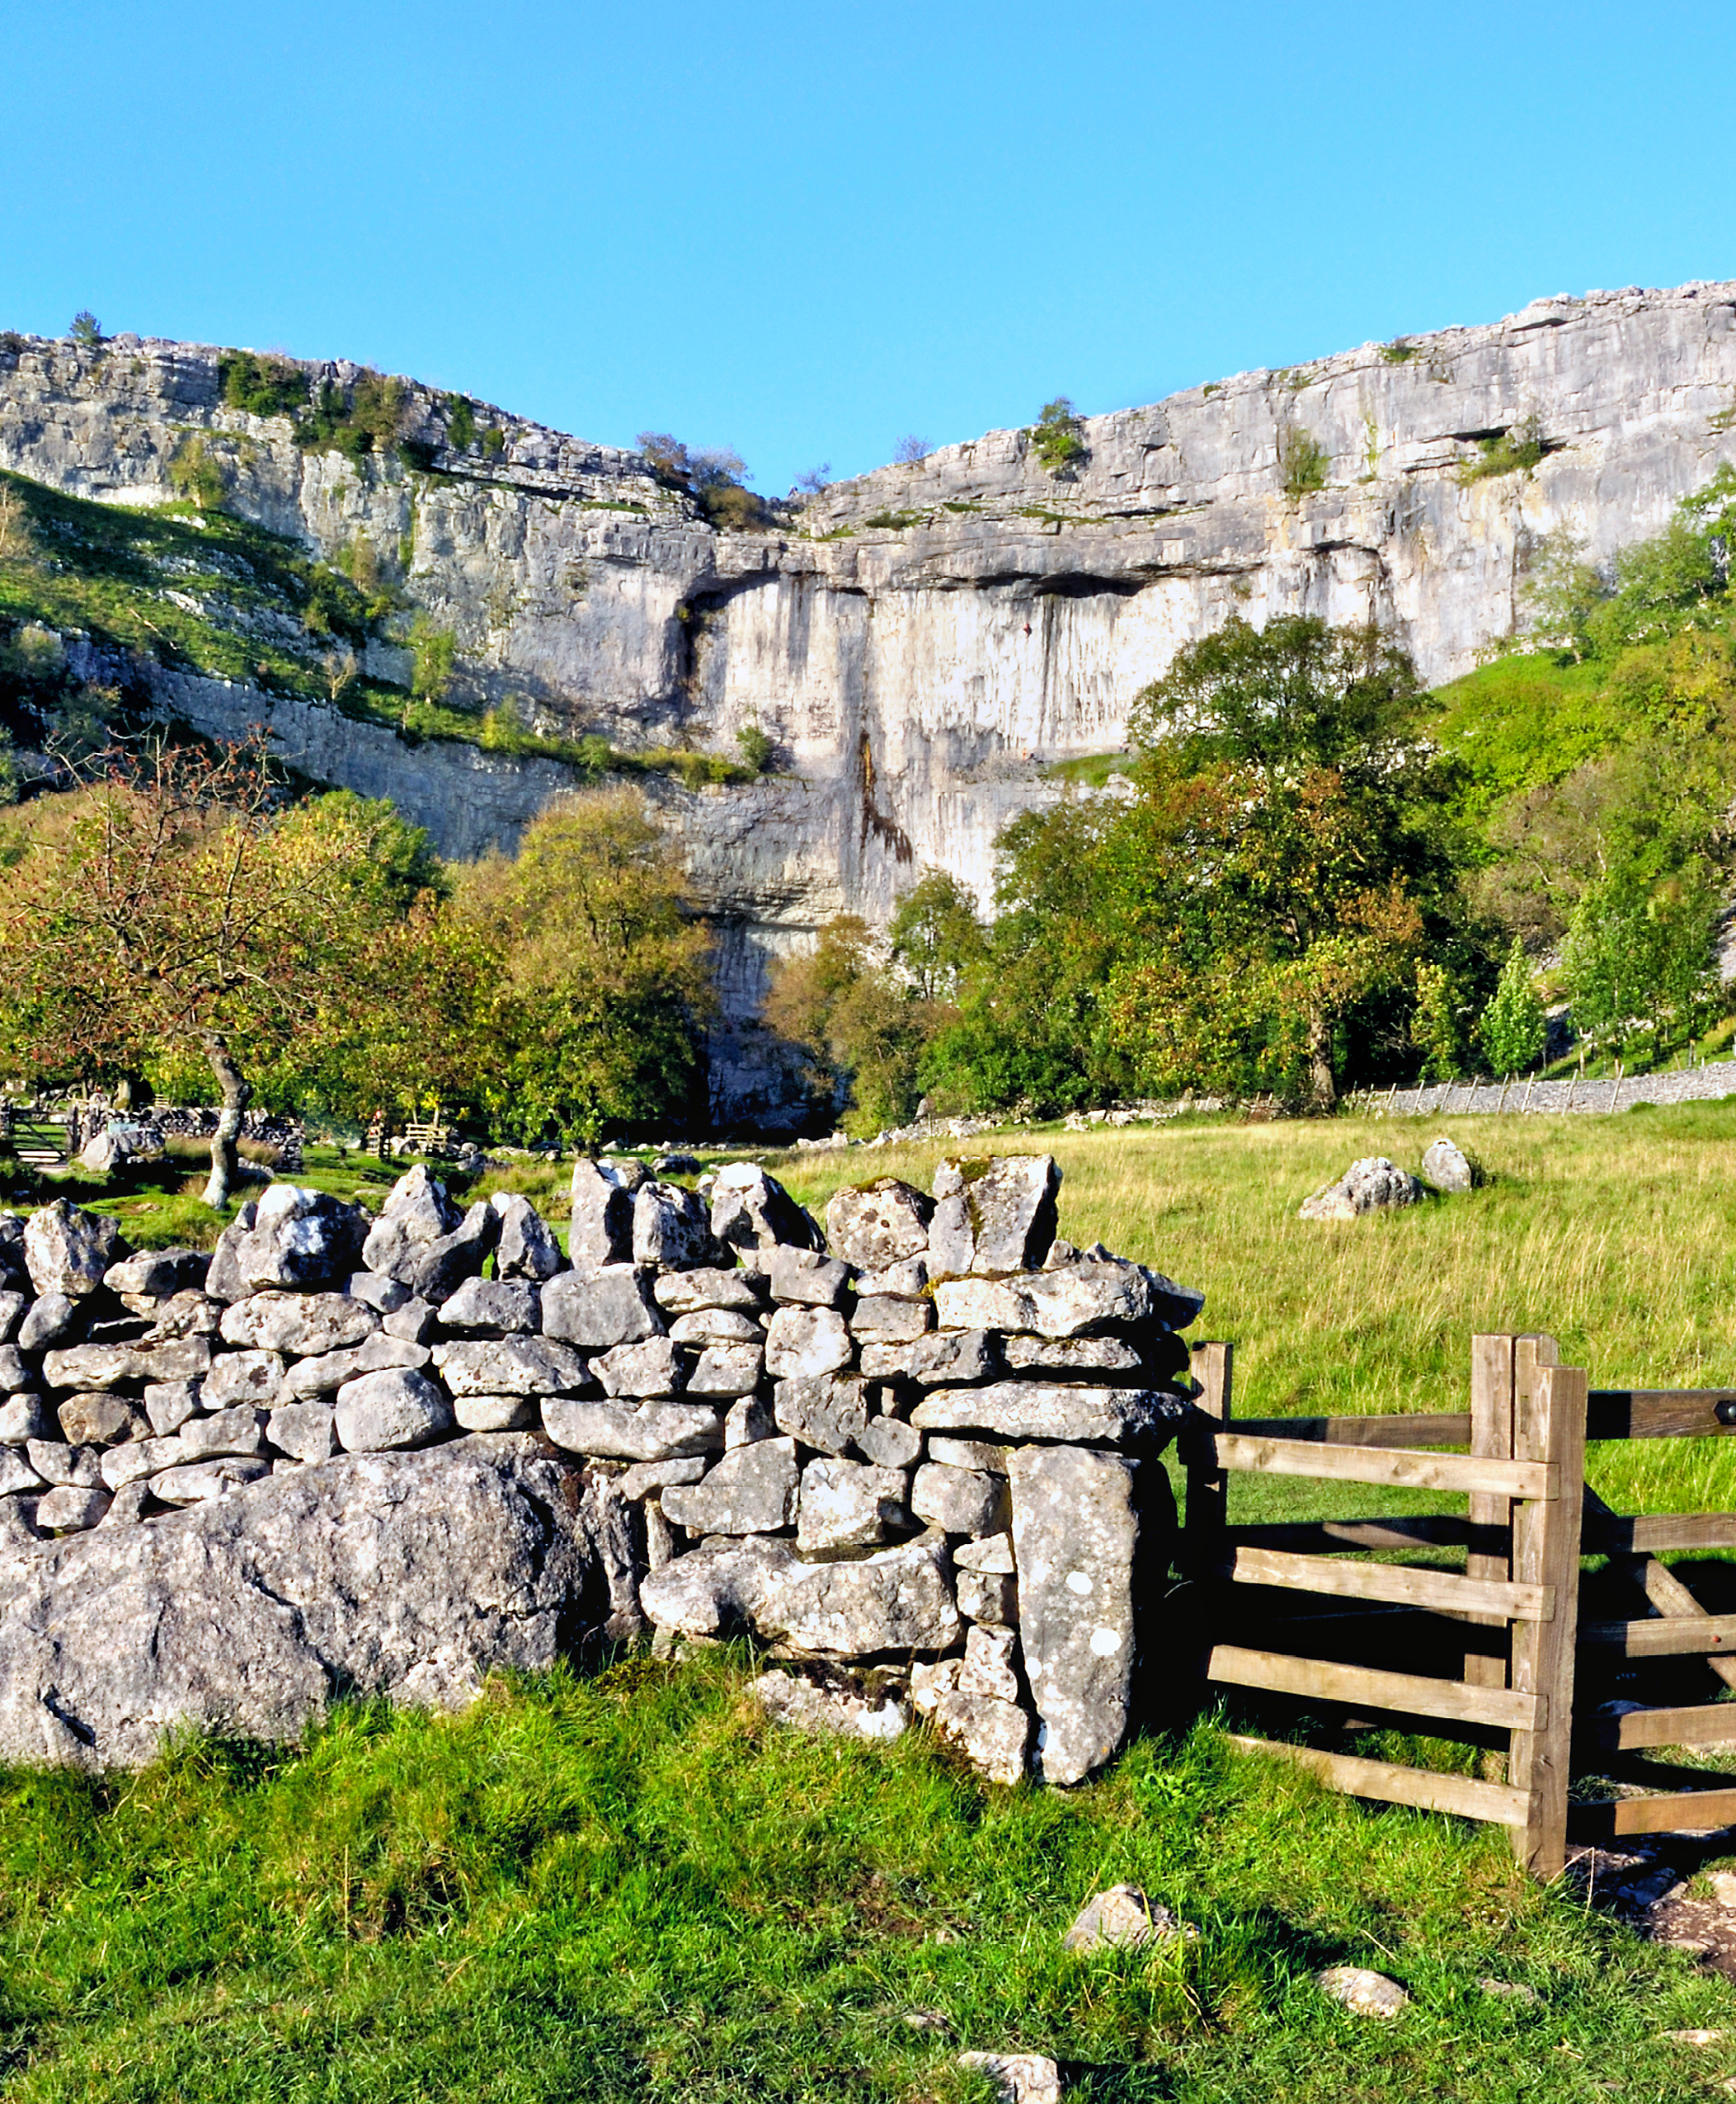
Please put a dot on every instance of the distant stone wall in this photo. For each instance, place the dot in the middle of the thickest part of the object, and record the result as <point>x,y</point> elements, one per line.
<point>933,1450</point>
<point>1707,1084</point>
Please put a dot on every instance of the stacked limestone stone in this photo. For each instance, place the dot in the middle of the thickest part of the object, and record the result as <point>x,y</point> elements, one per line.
<point>933,1448</point>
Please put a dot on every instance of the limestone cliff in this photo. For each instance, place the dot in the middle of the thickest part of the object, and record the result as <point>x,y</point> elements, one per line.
<point>922,642</point>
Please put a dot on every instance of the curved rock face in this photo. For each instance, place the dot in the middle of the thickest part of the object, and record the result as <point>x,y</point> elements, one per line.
<point>921,642</point>
<point>409,1574</point>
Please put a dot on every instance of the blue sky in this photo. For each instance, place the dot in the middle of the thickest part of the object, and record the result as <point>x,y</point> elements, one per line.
<point>805,231</point>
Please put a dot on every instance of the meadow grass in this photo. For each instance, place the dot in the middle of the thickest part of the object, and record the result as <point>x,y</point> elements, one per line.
<point>630,1887</point>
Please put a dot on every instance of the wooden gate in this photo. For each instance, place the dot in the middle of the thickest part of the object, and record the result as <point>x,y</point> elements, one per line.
<point>1675,1626</point>
<point>1524,1476</point>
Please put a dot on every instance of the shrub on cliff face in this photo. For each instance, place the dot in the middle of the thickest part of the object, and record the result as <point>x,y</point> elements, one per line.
<point>261,385</point>
<point>197,473</point>
<point>1054,438</point>
<point>1302,461</point>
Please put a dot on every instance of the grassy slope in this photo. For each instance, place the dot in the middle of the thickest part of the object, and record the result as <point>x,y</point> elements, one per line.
<point>630,1889</point>
<point>585,1891</point>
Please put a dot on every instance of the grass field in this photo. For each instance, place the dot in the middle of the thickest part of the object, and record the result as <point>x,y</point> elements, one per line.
<point>629,1888</point>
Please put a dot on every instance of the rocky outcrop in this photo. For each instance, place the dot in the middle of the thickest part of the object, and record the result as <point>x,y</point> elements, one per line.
<point>919,642</point>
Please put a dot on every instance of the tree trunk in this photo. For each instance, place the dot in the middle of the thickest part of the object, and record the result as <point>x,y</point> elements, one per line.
<point>237,1093</point>
<point>1319,1061</point>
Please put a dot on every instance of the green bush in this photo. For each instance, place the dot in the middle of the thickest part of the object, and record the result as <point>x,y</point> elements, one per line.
<point>267,386</point>
<point>1302,461</point>
<point>1515,452</point>
<point>365,421</point>
<point>1054,438</point>
<point>494,441</point>
<point>87,331</point>
<point>434,654</point>
<point>755,746</point>
<point>1513,1029</point>
<point>1398,352</point>
<point>460,423</point>
<point>196,474</point>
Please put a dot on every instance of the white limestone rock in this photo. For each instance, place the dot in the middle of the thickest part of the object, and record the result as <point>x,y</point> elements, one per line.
<point>726,1369</point>
<point>898,1601</point>
<point>601,1230</point>
<point>804,1343</point>
<point>417,1214</point>
<point>1075,1300</point>
<point>752,1491</point>
<point>596,1310</point>
<point>526,1248</point>
<point>654,1367</point>
<point>379,1412</point>
<point>799,1705</point>
<point>509,1366</point>
<point>494,1307</point>
<point>1449,1168</point>
<point>752,1211</point>
<point>687,1292</point>
<point>828,1415</point>
<point>671,1228</point>
<point>611,1431</point>
<point>875,1225</point>
<point>989,1667</point>
<point>69,1250</point>
<point>1076,1535</point>
<point>1373,1184</point>
<point>110,1366</point>
<point>959,1500</point>
<point>846,1505</point>
<point>302,1324</point>
<point>1018,1410</point>
<point>992,1734</point>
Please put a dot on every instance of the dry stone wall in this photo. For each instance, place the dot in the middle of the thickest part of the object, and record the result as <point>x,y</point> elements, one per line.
<point>926,1441</point>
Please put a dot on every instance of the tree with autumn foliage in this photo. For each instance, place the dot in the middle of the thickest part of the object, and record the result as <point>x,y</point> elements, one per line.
<point>180,908</point>
<point>593,973</point>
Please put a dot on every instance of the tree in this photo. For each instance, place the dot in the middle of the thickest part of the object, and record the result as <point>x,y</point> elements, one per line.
<point>1513,1029</point>
<point>600,987</point>
<point>1640,967</point>
<point>1054,438</point>
<point>864,1032</point>
<point>178,907</point>
<point>1291,855</point>
<point>910,449</point>
<point>811,481</point>
<point>754,743</point>
<point>936,937</point>
<point>87,331</point>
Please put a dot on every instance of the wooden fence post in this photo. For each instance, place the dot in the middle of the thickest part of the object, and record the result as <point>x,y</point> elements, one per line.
<point>1491,1439</point>
<point>1208,1484</point>
<point>1548,1425</point>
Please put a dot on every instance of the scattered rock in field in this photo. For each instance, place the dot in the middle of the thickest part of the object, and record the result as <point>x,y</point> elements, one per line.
<point>1020,2078</point>
<point>1123,1918</point>
<point>1693,2037</point>
<point>1511,1990</point>
<point>928,2020</point>
<point>1362,1992</point>
<point>1448,1168</point>
<point>1372,1184</point>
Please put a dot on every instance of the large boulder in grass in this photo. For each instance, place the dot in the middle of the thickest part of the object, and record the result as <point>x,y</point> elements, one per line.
<point>67,1250</point>
<point>1373,1184</point>
<point>244,1614</point>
